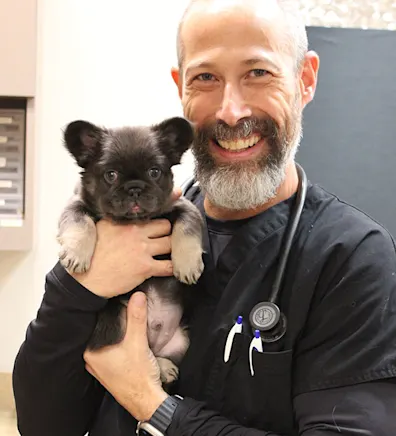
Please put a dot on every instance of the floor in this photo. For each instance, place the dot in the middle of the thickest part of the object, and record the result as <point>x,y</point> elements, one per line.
<point>8,424</point>
<point>7,406</point>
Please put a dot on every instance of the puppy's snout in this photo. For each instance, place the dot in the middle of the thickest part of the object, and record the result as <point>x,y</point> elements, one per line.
<point>134,188</point>
<point>134,192</point>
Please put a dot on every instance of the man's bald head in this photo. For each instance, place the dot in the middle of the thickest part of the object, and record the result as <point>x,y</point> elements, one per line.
<point>297,41</point>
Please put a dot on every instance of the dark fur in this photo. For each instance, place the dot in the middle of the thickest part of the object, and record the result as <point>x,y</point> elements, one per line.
<point>134,154</point>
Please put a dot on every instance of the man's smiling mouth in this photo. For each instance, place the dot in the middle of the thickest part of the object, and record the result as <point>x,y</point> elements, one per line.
<point>239,144</point>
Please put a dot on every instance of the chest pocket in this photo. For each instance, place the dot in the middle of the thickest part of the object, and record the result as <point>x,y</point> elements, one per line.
<point>262,401</point>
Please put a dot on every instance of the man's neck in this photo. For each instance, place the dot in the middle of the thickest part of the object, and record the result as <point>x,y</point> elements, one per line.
<point>285,191</point>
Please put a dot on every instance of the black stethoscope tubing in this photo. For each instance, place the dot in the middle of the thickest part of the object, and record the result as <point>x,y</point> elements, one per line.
<point>290,233</point>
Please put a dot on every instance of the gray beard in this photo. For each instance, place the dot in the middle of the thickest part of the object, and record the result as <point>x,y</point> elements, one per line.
<point>249,186</point>
<point>241,189</point>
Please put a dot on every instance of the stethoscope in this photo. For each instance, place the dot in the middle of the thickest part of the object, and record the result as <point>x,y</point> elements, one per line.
<point>268,322</point>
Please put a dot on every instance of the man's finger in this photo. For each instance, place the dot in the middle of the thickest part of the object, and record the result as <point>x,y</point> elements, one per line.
<point>160,246</point>
<point>89,369</point>
<point>136,317</point>
<point>176,194</point>
<point>162,268</point>
<point>157,228</point>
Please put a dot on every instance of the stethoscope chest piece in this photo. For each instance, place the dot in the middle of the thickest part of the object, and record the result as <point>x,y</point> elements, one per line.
<point>268,319</point>
<point>264,316</point>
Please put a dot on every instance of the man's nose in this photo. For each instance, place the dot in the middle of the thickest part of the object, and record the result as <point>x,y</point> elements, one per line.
<point>233,107</point>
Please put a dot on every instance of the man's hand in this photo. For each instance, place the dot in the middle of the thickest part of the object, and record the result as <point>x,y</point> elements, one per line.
<point>123,257</point>
<point>129,370</point>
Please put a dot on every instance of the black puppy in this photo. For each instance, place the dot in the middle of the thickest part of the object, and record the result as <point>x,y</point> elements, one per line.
<point>127,177</point>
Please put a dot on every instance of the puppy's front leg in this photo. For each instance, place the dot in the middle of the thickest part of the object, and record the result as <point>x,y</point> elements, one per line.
<point>186,240</point>
<point>77,237</point>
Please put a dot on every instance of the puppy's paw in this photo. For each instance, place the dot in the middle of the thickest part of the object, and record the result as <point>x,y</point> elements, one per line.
<point>169,372</point>
<point>73,262</point>
<point>77,242</point>
<point>187,259</point>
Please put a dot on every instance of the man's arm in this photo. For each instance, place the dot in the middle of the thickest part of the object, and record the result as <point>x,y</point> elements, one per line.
<point>367,409</point>
<point>54,393</point>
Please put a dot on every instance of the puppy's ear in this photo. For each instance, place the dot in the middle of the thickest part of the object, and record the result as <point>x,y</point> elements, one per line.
<point>176,135</point>
<point>84,141</point>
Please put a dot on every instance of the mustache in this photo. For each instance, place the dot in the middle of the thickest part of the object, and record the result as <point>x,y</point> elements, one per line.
<point>219,130</point>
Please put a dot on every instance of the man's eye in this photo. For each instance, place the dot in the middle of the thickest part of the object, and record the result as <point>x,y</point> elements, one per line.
<point>205,77</point>
<point>257,72</point>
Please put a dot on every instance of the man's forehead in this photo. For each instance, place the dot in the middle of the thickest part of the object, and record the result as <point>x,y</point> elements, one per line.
<point>204,11</point>
<point>237,27</point>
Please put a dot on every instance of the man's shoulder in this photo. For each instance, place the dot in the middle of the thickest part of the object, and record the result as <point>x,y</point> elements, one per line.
<point>339,239</point>
<point>350,260</point>
<point>337,219</point>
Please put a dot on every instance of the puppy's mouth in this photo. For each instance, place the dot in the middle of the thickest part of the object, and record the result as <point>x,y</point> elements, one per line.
<point>238,145</point>
<point>133,211</point>
<point>136,208</point>
<point>136,211</point>
<point>132,215</point>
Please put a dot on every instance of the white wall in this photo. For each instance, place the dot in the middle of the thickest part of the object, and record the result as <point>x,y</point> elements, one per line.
<point>107,64</point>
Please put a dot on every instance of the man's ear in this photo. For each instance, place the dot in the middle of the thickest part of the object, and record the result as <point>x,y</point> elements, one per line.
<point>84,141</point>
<point>309,77</point>
<point>176,136</point>
<point>175,73</point>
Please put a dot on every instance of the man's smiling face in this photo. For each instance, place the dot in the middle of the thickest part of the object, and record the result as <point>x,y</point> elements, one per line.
<point>240,84</point>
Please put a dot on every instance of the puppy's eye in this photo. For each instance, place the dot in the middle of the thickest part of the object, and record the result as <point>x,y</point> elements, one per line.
<point>154,173</point>
<point>110,176</point>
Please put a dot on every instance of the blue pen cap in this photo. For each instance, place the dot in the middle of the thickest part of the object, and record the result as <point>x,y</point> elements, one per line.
<point>257,334</point>
<point>239,320</point>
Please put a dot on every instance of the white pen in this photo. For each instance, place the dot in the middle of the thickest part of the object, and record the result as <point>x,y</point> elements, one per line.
<point>236,328</point>
<point>257,345</point>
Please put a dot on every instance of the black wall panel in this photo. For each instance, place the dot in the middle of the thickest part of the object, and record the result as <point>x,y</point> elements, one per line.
<point>349,143</point>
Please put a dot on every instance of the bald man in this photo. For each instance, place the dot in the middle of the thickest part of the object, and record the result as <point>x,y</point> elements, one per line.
<point>244,77</point>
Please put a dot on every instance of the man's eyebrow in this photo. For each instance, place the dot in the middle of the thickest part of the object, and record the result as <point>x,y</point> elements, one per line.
<point>266,60</point>
<point>200,65</point>
<point>249,62</point>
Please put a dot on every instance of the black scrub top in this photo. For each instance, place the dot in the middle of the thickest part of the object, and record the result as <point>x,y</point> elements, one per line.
<point>333,372</point>
<point>339,298</point>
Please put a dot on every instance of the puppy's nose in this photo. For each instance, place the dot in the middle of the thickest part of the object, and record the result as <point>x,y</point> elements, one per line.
<point>134,192</point>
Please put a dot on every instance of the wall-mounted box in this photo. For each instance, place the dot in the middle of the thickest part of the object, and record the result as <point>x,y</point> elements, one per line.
<point>16,173</point>
<point>12,162</point>
<point>17,108</point>
<point>18,48</point>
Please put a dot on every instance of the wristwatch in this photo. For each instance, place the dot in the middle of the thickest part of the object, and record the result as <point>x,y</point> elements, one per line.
<point>161,419</point>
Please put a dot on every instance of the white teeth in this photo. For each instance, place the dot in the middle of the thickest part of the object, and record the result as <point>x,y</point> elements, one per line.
<point>240,144</point>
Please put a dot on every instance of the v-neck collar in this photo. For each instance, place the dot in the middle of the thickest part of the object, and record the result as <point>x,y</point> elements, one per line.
<point>249,234</point>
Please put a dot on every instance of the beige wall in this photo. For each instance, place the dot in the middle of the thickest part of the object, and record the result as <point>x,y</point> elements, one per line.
<point>110,65</point>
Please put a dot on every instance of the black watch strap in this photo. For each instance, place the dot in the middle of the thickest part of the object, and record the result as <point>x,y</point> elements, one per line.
<point>161,419</point>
